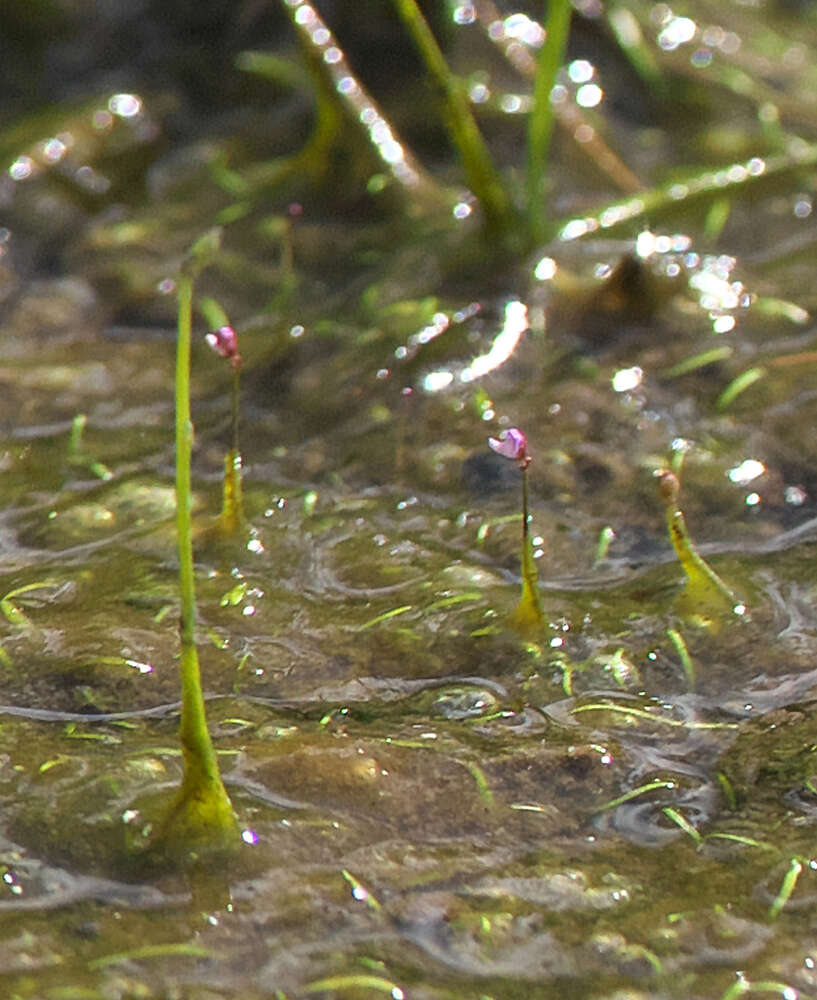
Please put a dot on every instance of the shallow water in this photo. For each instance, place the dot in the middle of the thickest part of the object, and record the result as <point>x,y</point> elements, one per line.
<point>433,805</point>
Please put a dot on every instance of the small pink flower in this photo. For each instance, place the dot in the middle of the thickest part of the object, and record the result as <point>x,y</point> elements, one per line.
<point>512,444</point>
<point>224,342</point>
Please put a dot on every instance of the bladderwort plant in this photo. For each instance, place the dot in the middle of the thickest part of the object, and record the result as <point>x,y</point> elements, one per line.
<point>200,822</point>
<point>529,613</point>
<point>706,598</point>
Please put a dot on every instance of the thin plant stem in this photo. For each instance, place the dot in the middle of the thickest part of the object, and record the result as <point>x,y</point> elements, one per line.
<point>232,518</point>
<point>196,744</point>
<point>235,411</point>
<point>541,120</point>
<point>201,818</point>
<point>529,611</point>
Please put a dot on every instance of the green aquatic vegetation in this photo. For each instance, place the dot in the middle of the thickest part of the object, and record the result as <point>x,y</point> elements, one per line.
<point>501,217</point>
<point>787,887</point>
<point>635,793</point>
<point>76,451</point>
<point>183,949</point>
<point>481,174</point>
<point>354,984</point>
<point>201,821</point>
<point>706,594</point>
<point>744,986</point>
<point>512,444</point>
<point>684,656</point>
<point>683,824</point>
<point>10,608</point>
<point>631,712</point>
<point>360,892</point>
<point>541,119</point>
<point>337,104</point>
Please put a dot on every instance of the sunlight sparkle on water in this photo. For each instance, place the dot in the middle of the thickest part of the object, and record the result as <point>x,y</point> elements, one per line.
<point>139,667</point>
<point>723,324</point>
<point>522,29</point>
<point>581,71</point>
<point>576,228</point>
<point>589,95</point>
<point>478,93</point>
<point>515,104</point>
<point>437,381</point>
<point>361,104</point>
<point>464,14</point>
<point>678,31</point>
<point>545,269</point>
<point>125,105</point>
<point>627,379</point>
<point>54,149</point>
<point>22,168</point>
<point>516,323</point>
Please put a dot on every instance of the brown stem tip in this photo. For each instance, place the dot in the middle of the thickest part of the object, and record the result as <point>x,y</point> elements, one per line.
<point>668,486</point>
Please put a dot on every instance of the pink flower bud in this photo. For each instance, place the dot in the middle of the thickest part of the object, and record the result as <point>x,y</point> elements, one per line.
<point>512,444</point>
<point>225,343</point>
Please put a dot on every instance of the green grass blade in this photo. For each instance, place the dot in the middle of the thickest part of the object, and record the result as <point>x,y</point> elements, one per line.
<point>786,889</point>
<point>541,121</point>
<point>480,172</point>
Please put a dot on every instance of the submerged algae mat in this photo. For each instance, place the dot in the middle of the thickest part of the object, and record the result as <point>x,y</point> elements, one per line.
<point>433,806</point>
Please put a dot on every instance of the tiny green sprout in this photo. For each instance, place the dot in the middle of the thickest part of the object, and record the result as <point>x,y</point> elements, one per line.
<point>705,590</point>
<point>224,342</point>
<point>512,444</point>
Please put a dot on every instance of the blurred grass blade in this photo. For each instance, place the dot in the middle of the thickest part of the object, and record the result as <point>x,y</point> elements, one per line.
<point>739,385</point>
<point>540,122</point>
<point>480,172</point>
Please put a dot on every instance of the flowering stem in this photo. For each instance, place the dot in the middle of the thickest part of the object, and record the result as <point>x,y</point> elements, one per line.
<point>529,611</point>
<point>184,449</point>
<point>234,417</point>
<point>201,817</point>
<point>232,507</point>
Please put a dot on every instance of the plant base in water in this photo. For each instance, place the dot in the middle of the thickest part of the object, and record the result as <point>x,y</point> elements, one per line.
<point>200,829</point>
<point>706,599</point>
<point>528,613</point>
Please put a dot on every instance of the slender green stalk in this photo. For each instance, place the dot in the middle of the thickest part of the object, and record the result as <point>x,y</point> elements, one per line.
<point>480,171</point>
<point>201,819</point>
<point>194,735</point>
<point>541,120</point>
